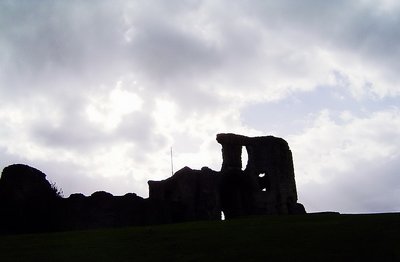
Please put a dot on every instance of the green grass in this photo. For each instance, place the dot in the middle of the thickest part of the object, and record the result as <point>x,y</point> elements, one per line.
<point>271,238</point>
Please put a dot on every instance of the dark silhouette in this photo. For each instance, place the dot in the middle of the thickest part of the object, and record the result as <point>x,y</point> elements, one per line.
<point>266,185</point>
<point>29,203</point>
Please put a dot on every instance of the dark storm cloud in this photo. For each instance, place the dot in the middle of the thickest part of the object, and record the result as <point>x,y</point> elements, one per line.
<point>359,27</point>
<point>53,48</point>
<point>53,42</point>
<point>75,37</point>
<point>47,43</point>
<point>163,52</point>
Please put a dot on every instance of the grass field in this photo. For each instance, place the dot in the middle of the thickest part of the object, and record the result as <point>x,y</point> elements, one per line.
<point>274,238</point>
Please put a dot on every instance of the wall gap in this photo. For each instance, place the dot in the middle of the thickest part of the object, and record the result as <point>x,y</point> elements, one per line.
<point>264,181</point>
<point>245,158</point>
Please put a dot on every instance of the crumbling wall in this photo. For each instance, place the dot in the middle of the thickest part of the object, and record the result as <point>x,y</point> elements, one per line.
<point>187,195</point>
<point>266,185</point>
<point>263,185</point>
<point>28,201</point>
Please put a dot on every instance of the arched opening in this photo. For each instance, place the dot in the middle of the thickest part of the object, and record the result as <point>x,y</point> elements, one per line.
<point>245,158</point>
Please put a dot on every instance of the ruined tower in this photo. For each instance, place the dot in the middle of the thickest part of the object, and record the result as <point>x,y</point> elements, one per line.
<point>263,185</point>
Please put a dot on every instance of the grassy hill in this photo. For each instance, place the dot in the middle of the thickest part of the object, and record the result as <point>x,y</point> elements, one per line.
<point>325,237</point>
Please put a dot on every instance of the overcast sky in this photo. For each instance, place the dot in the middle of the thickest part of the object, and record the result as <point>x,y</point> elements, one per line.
<point>94,93</point>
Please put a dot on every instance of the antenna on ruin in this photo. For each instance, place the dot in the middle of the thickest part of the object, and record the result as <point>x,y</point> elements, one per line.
<point>172,163</point>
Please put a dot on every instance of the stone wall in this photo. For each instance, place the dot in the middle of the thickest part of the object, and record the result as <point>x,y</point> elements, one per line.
<point>188,195</point>
<point>263,185</point>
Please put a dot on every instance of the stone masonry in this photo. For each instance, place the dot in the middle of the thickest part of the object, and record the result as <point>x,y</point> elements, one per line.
<point>264,185</point>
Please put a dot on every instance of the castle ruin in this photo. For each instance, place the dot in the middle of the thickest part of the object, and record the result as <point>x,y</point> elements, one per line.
<point>264,185</point>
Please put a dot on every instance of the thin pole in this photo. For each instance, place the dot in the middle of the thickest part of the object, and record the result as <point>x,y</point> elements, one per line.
<point>172,163</point>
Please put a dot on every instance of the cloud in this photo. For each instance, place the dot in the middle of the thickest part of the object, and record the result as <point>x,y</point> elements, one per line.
<point>105,90</point>
<point>267,48</point>
<point>351,166</point>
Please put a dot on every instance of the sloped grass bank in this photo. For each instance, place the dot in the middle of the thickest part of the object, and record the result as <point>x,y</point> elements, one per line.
<point>325,237</point>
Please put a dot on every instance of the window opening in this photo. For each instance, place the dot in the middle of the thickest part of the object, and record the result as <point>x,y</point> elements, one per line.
<point>245,158</point>
<point>264,182</point>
